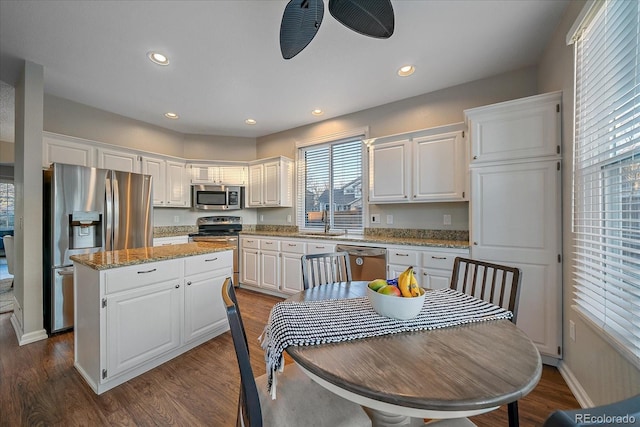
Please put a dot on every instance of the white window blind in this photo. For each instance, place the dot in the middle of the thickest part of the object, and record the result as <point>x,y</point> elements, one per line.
<point>606,187</point>
<point>330,177</point>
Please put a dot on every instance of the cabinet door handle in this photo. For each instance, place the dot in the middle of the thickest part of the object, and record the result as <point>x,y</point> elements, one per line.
<point>475,243</point>
<point>475,157</point>
<point>397,254</point>
<point>148,271</point>
<point>438,257</point>
<point>188,284</point>
<point>212,259</point>
<point>177,286</point>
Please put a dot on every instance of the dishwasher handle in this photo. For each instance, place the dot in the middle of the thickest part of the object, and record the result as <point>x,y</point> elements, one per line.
<point>364,251</point>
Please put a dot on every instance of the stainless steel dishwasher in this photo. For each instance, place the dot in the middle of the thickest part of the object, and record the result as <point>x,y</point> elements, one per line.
<point>367,263</point>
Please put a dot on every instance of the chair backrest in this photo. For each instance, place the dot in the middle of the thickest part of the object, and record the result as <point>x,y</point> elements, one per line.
<point>320,269</point>
<point>249,411</point>
<point>8,251</point>
<point>494,283</point>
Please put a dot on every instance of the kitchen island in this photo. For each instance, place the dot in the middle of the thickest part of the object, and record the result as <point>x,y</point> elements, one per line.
<point>138,308</point>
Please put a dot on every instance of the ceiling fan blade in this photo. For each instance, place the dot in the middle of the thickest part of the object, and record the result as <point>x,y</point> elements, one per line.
<point>369,17</point>
<point>300,23</point>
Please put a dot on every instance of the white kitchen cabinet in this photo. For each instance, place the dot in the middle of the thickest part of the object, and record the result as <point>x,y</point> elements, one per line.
<point>319,247</point>
<point>433,267</point>
<point>66,149</point>
<point>515,220</point>
<point>390,171</point>
<point>170,182</point>
<point>131,319</point>
<point>204,310</point>
<point>439,168</point>
<point>132,338</point>
<point>249,254</point>
<point>269,264</point>
<point>515,206</point>
<point>418,167</point>
<point>291,252</point>
<point>177,185</point>
<point>219,174</point>
<point>271,183</point>
<point>157,168</point>
<point>120,160</point>
<point>520,129</point>
<point>171,240</point>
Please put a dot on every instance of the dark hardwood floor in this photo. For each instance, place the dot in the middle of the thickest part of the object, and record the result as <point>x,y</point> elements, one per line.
<point>40,386</point>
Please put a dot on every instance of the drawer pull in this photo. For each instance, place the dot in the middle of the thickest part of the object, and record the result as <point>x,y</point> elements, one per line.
<point>438,257</point>
<point>189,283</point>
<point>212,259</point>
<point>148,271</point>
<point>397,254</point>
<point>177,286</point>
<point>320,247</point>
<point>249,241</point>
<point>268,243</point>
<point>292,244</point>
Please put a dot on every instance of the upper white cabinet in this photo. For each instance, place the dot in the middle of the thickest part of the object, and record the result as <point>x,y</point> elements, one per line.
<point>170,182</point>
<point>519,129</point>
<point>422,166</point>
<point>65,149</point>
<point>227,174</point>
<point>271,183</point>
<point>120,160</point>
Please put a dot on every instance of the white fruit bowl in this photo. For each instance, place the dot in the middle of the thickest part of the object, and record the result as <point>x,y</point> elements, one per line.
<point>395,307</point>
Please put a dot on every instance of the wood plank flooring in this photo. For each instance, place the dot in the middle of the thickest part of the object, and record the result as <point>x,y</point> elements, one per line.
<point>40,386</point>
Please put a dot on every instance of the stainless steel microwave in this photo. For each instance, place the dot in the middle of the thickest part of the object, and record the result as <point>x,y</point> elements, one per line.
<point>217,197</point>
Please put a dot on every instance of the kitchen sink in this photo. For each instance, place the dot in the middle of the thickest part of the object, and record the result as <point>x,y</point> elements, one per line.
<point>322,233</point>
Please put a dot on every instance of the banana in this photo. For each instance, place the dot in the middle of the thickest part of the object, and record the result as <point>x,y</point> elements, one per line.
<point>404,281</point>
<point>413,285</point>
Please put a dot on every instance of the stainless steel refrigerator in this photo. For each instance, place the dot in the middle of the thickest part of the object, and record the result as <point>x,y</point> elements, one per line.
<point>88,210</point>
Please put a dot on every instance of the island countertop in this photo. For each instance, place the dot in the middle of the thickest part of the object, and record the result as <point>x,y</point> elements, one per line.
<point>124,257</point>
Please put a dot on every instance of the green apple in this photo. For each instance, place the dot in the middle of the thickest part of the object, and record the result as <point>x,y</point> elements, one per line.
<point>377,284</point>
<point>390,290</point>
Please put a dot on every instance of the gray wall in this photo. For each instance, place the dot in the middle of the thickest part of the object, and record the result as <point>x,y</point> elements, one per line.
<point>420,112</point>
<point>7,152</point>
<point>599,373</point>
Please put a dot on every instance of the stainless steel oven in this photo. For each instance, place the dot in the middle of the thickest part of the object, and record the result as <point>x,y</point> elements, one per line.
<point>223,229</point>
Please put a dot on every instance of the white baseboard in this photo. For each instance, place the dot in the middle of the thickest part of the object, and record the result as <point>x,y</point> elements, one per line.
<point>26,338</point>
<point>574,385</point>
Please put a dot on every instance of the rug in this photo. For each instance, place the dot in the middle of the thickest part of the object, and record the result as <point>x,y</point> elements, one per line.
<point>6,296</point>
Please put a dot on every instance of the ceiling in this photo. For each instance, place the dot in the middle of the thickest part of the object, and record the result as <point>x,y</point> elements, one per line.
<point>226,64</point>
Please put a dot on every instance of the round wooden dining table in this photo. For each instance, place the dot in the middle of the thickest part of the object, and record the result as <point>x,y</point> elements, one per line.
<point>399,379</point>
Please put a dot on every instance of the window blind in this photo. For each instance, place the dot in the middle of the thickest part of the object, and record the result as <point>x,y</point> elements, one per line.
<point>330,177</point>
<point>606,187</point>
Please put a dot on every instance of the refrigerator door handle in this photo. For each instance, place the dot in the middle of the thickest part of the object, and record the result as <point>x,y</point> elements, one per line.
<point>66,272</point>
<point>116,213</point>
<point>108,235</point>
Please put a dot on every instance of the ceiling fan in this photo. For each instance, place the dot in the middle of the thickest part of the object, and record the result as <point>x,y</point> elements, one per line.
<point>302,18</point>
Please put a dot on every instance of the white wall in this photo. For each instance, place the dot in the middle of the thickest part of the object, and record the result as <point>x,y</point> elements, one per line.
<point>420,112</point>
<point>597,372</point>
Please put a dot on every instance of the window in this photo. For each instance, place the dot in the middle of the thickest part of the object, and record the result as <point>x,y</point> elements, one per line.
<point>606,187</point>
<point>330,177</point>
<point>7,204</point>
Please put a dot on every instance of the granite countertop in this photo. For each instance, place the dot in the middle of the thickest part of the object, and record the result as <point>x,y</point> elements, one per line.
<point>384,240</point>
<point>124,257</point>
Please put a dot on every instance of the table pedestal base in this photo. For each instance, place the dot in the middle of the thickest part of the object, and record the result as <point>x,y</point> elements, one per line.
<point>385,419</point>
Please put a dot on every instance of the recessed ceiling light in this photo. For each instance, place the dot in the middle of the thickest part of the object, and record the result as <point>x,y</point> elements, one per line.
<point>317,112</point>
<point>250,122</point>
<point>171,116</point>
<point>407,70</point>
<point>158,58</point>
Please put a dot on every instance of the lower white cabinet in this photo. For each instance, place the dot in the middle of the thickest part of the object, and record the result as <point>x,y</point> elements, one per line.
<point>291,252</point>
<point>171,240</point>
<point>433,267</point>
<point>131,319</point>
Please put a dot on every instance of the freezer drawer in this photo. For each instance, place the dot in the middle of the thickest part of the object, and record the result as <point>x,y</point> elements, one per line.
<point>62,299</point>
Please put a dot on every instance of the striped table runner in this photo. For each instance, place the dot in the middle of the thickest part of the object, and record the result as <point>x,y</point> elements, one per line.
<point>327,321</point>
